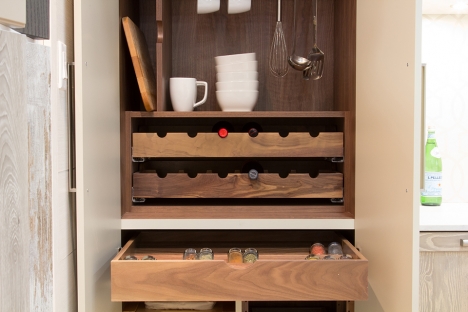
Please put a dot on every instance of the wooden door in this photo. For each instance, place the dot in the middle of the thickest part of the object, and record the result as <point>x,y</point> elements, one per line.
<point>387,150</point>
<point>97,27</point>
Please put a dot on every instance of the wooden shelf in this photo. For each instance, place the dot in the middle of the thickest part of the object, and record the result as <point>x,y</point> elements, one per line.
<point>254,114</point>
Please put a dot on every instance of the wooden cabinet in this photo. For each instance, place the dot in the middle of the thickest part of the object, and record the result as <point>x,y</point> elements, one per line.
<point>350,104</point>
<point>443,271</point>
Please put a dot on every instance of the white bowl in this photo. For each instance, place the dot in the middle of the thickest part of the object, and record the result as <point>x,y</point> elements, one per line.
<point>237,76</point>
<point>236,67</point>
<point>237,86</point>
<point>237,101</point>
<point>234,58</point>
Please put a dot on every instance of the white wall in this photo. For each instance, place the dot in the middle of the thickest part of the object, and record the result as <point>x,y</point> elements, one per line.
<point>445,51</point>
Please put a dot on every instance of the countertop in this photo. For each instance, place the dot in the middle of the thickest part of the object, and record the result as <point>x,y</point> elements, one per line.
<point>447,217</point>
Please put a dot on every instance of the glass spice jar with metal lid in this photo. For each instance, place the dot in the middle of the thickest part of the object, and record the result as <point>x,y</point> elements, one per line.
<point>335,249</point>
<point>205,254</point>
<point>190,254</point>
<point>235,255</point>
<point>250,255</point>
<point>130,257</point>
<point>148,257</point>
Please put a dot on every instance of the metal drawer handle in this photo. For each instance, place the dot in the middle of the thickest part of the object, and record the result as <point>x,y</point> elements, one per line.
<point>71,129</point>
<point>464,242</point>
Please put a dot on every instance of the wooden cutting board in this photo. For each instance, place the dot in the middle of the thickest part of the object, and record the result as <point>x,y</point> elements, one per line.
<point>141,63</point>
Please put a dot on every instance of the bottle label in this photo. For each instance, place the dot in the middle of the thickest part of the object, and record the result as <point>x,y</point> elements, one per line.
<point>432,184</point>
<point>435,152</point>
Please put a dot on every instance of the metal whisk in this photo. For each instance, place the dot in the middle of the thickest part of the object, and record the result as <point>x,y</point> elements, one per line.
<point>278,52</point>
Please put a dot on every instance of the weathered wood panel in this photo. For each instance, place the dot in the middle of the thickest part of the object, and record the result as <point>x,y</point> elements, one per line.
<point>15,230</point>
<point>443,272</point>
<point>37,62</point>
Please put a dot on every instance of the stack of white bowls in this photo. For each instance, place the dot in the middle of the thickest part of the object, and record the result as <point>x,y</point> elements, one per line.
<point>237,82</point>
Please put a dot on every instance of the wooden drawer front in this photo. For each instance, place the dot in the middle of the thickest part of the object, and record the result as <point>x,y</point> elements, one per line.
<point>237,185</point>
<point>442,241</point>
<point>280,274</point>
<point>180,145</point>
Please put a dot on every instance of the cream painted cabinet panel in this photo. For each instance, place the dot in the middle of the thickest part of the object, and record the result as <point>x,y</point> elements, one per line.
<point>387,150</point>
<point>98,149</point>
<point>13,13</point>
<point>443,272</point>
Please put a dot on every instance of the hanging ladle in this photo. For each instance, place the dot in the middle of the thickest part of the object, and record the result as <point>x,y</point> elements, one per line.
<point>297,62</point>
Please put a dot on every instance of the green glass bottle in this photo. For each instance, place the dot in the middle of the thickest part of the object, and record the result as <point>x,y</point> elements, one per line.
<point>431,195</point>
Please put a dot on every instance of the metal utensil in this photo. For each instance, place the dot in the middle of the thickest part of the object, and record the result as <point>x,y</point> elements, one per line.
<point>316,56</point>
<point>297,62</point>
<point>278,51</point>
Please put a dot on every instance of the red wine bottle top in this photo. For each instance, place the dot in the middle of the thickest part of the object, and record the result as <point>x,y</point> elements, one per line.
<point>223,132</point>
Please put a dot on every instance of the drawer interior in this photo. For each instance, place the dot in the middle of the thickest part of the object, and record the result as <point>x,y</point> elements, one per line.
<point>281,272</point>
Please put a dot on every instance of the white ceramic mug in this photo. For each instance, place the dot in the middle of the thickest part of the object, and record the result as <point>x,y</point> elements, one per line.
<point>183,93</point>
<point>207,6</point>
<point>238,6</point>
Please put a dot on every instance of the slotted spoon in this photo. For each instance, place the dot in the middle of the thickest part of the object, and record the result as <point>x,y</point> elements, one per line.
<point>316,56</point>
<point>278,52</point>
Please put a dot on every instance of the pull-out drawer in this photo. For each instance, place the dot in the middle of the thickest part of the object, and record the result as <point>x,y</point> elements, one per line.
<point>281,272</point>
<point>237,185</point>
<point>266,144</point>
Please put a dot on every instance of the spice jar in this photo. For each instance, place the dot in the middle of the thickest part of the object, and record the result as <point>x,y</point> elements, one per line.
<point>205,254</point>
<point>235,255</point>
<point>190,254</point>
<point>250,255</point>
<point>148,257</point>
<point>346,257</point>
<point>329,257</point>
<point>130,257</point>
<point>335,249</point>
<point>317,249</point>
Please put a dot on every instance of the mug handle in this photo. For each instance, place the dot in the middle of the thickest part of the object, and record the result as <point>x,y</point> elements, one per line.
<point>202,83</point>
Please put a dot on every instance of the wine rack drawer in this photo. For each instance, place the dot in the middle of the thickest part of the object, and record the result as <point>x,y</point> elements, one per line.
<point>266,144</point>
<point>280,273</point>
<point>237,185</point>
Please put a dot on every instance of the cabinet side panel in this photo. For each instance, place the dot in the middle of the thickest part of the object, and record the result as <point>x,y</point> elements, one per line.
<point>387,163</point>
<point>98,149</point>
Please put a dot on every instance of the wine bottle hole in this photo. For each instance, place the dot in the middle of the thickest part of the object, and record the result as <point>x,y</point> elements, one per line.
<point>192,175</point>
<point>314,174</point>
<point>222,175</point>
<point>162,134</point>
<point>284,175</point>
<point>161,174</point>
<point>283,134</point>
<point>314,134</point>
<point>192,134</point>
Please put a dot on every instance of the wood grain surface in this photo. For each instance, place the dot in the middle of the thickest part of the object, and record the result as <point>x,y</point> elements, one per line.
<point>192,40</point>
<point>141,63</point>
<point>275,278</point>
<point>239,211</point>
<point>15,229</point>
<point>443,272</point>
<point>210,185</point>
<point>38,71</point>
<point>326,144</point>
